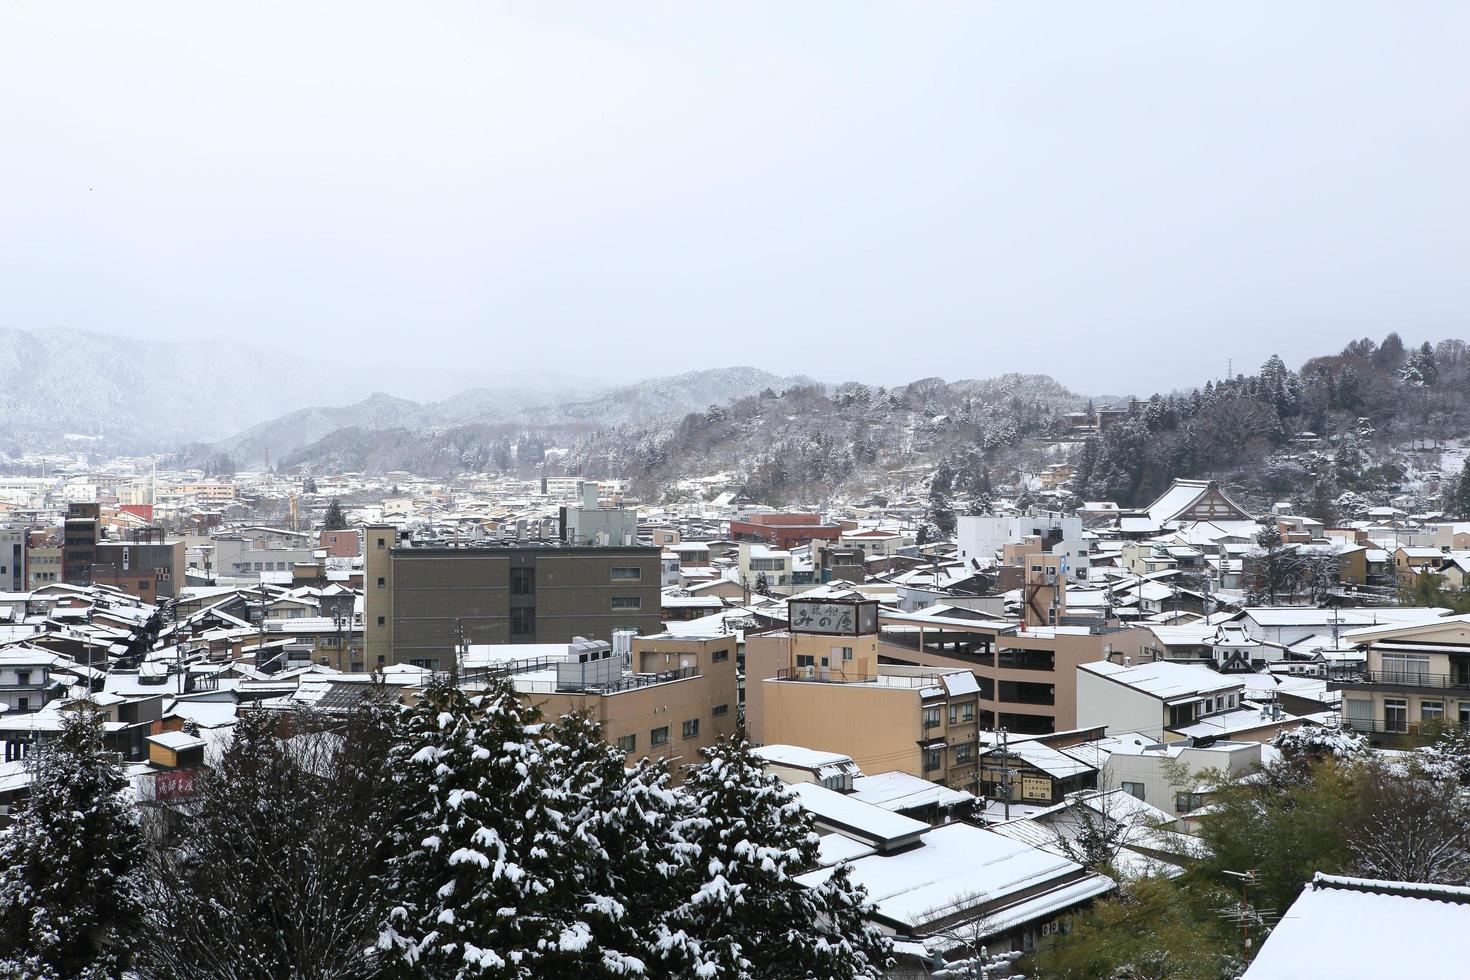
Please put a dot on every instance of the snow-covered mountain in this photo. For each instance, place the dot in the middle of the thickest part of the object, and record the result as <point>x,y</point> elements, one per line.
<point>113,394</point>
<point>641,403</point>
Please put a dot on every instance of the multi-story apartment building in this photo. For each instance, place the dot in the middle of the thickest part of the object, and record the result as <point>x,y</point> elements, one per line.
<point>79,542</point>
<point>673,696</point>
<point>1416,678</point>
<point>982,539</point>
<point>1027,675</point>
<point>593,524</point>
<point>43,566</point>
<point>820,685</point>
<point>151,569</point>
<point>13,555</point>
<point>421,603</point>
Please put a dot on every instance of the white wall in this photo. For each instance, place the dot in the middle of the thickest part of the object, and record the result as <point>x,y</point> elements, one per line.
<point>1101,701</point>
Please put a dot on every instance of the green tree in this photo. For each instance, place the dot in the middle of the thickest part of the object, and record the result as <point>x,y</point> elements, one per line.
<point>334,520</point>
<point>1286,825</point>
<point>1154,929</point>
<point>71,897</point>
<point>742,914</point>
<point>483,885</point>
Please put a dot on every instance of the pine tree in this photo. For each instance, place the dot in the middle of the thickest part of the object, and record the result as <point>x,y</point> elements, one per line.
<point>70,891</point>
<point>742,913</point>
<point>483,886</point>
<point>334,520</point>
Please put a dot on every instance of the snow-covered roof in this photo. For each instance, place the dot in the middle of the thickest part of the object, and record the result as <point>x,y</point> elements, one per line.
<point>1047,759</point>
<point>813,760</point>
<point>902,791</point>
<point>960,867</point>
<point>863,821</point>
<point>1351,928</point>
<point>1164,680</point>
<point>178,741</point>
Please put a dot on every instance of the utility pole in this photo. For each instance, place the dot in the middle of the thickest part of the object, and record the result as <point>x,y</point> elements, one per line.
<point>1005,771</point>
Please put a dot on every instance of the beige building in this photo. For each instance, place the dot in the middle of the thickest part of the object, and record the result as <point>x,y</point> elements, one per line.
<point>679,697</point>
<point>1416,678</point>
<point>819,685</point>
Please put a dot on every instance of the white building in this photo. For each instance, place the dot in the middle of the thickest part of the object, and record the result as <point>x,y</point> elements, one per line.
<point>981,539</point>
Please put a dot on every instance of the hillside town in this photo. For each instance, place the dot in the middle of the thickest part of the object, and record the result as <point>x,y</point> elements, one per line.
<point>1000,727</point>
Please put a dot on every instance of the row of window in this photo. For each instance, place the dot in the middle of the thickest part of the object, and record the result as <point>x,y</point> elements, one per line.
<point>958,714</point>
<point>628,744</point>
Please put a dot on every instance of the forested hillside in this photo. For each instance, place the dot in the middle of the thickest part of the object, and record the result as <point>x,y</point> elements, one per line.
<point>1329,429</point>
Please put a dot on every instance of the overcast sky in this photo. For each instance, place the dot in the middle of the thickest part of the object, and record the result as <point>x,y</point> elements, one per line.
<point>1123,195</point>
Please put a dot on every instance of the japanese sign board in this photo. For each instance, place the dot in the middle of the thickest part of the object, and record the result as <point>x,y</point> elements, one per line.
<point>835,618</point>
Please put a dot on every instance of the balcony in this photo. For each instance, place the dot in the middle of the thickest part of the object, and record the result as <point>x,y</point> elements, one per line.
<point>1014,692</point>
<point>1026,660</point>
<point>1408,679</point>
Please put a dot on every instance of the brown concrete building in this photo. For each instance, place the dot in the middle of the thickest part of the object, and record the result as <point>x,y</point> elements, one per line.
<point>79,542</point>
<point>421,602</point>
<point>150,567</point>
<point>680,697</point>
<point>342,543</point>
<point>820,685</point>
<point>1027,675</point>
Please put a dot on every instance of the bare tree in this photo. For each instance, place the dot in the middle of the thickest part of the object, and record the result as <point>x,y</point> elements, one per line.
<point>275,869</point>
<point>1093,829</point>
<point>1410,829</point>
<point>962,944</point>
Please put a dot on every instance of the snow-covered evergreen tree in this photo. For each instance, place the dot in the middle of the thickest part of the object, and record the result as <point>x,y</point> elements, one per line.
<point>482,886</point>
<point>742,913</point>
<point>70,896</point>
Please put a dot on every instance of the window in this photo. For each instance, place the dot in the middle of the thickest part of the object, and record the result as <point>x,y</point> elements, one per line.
<point>22,677</point>
<point>1395,715</point>
<point>931,760</point>
<point>721,709</point>
<point>931,717</point>
<point>1188,802</point>
<point>719,656</point>
<point>659,736</point>
<point>803,660</point>
<point>963,753</point>
<point>1431,711</point>
<point>1134,790</point>
<point>627,744</point>
<point>691,728</point>
<point>382,620</point>
<point>627,602</point>
<point>381,582</point>
<point>633,574</point>
<point>382,660</point>
<point>142,585</point>
<point>522,581</point>
<point>954,714</point>
<point>967,711</point>
<point>522,620</point>
<point>1399,668</point>
<point>382,543</point>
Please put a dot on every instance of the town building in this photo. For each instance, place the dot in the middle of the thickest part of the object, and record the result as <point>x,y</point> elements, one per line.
<point>784,531</point>
<point>1416,677</point>
<point>820,684</point>
<point>422,603</point>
